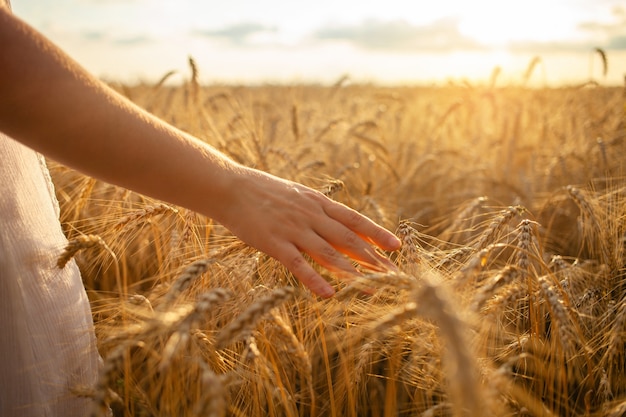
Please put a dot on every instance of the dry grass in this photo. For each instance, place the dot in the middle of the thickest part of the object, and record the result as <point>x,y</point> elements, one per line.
<point>509,298</point>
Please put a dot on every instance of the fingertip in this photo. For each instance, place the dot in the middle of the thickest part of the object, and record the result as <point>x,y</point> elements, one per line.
<point>327,291</point>
<point>320,287</point>
<point>309,277</point>
<point>388,241</point>
<point>394,242</point>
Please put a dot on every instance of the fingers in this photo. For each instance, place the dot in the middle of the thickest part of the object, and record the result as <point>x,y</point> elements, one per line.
<point>331,233</point>
<point>353,245</point>
<point>352,234</point>
<point>362,226</point>
<point>328,247</point>
<point>341,233</point>
<point>322,253</point>
<point>330,258</point>
<point>300,268</point>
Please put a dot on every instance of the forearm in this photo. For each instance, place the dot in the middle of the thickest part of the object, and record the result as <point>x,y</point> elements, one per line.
<point>49,103</point>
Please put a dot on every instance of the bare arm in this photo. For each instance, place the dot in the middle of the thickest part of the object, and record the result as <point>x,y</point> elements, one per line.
<point>49,103</point>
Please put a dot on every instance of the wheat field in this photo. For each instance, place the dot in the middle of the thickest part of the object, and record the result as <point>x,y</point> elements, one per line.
<point>509,299</point>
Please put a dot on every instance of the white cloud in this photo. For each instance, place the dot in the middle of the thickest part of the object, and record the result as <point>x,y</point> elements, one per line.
<point>398,35</point>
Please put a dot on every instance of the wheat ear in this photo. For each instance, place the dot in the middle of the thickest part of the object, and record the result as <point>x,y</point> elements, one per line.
<point>113,364</point>
<point>496,226</point>
<point>184,281</point>
<point>525,239</point>
<point>559,312</point>
<point>617,335</point>
<point>213,402</point>
<point>333,187</point>
<point>144,214</point>
<point>77,244</point>
<point>248,319</point>
<point>505,276</point>
<point>181,335</point>
<point>411,250</point>
<point>433,302</point>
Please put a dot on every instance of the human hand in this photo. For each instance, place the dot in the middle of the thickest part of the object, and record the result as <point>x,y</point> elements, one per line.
<point>285,219</point>
<point>130,148</point>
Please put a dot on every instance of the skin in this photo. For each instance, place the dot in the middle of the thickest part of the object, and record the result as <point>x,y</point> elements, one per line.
<point>51,104</point>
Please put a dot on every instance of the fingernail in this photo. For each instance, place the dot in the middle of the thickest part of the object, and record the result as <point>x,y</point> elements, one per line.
<point>394,241</point>
<point>327,292</point>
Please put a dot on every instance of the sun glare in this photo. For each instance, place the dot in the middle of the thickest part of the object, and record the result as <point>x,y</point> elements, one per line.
<point>495,23</point>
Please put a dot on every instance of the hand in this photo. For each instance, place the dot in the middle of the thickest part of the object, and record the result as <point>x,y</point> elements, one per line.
<point>286,219</point>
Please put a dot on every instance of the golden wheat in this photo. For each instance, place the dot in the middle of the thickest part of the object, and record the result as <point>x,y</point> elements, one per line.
<point>247,319</point>
<point>77,244</point>
<point>143,214</point>
<point>212,403</point>
<point>513,310</point>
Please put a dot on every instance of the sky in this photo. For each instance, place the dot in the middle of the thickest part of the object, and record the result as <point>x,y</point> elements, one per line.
<point>390,42</point>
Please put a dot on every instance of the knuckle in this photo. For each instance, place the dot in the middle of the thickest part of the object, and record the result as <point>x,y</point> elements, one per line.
<point>354,219</point>
<point>329,253</point>
<point>351,238</point>
<point>297,264</point>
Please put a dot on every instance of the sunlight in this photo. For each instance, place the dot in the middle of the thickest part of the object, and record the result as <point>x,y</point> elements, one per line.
<point>495,23</point>
<point>398,41</point>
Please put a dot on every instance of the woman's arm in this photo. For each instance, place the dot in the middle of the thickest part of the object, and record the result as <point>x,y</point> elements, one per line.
<point>49,103</point>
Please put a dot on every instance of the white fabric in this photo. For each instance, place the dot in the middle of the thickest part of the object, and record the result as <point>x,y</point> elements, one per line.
<point>47,340</point>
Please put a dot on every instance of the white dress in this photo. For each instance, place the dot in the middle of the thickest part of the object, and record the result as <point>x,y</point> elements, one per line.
<point>47,340</point>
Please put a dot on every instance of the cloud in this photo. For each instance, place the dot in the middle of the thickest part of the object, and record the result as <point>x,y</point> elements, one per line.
<point>541,47</point>
<point>133,40</point>
<point>239,34</point>
<point>399,35</point>
<point>103,36</point>
<point>93,35</point>
<point>610,35</point>
<point>617,42</point>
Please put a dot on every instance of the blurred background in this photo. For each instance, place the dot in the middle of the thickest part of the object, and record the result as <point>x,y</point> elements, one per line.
<point>385,42</point>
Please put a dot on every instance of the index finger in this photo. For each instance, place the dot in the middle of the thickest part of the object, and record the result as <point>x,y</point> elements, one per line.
<point>363,226</point>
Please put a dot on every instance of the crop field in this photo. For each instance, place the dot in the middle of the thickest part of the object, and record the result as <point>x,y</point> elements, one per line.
<point>510,293</point>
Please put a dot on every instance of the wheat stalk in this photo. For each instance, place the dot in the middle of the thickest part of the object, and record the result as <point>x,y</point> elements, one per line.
<point>410,252</point>
<point>364,361</point>
<point>506,298</point>
<point>617,410</point>
<point>558,310</point>
<point>525,239</point>
<point>366,283</point>
<point>597,234</point>
<point>302,359</point>
<point>113,364</point>
<point>465,213</point>
<point>433,302</point>
<point>246,321</point>
<point>616,338</point>
<point>295,124</point>
<point>79,243</point>
<point>285,334</point>
<point>179,338</point>
<point>195,79</point>
<point>333,187</point>
<point>85,191</point>
<point>603,58</point>
<point>213,402</point>
<point>393,318</point>
<point>505,276</point>
<point>144,214</point>
<point>529,70</point>
<point>184,281</point>
<point>496,226</point>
